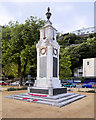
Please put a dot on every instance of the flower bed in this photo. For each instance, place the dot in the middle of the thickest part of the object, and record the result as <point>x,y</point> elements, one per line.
<point>32,100</point>
<point>37,95</point>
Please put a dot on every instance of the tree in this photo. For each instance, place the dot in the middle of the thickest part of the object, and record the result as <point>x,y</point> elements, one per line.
<point>80,52</point>
<point>64,66</point>
<point>0,53</point>
<point>82,79</point>
<point>21,44</point>
<point>74,57</point>
<point>6,36</point>
<point>85,48</point>
<point>67,39</point>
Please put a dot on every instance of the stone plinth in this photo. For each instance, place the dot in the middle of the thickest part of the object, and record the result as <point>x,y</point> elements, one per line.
<point>49,91</point>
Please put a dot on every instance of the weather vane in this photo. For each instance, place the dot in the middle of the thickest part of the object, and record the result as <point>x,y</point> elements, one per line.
<point>48,14</point>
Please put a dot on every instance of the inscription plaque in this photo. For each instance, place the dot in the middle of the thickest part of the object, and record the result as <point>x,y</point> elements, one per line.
<point>55,65</point>
<point>43,67</point>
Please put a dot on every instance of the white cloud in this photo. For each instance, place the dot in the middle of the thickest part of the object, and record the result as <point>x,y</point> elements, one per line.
<point>80,22</point>
<point>63,9</point>
<point>4,16</point>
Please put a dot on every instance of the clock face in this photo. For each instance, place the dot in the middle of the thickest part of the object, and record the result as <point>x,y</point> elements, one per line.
<point>43,51</point>
<point>55,51</point>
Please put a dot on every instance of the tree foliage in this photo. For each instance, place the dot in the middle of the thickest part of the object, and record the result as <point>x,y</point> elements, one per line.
<point>19,45</point>
<point>80,52</point>
<point>64,65</point>
<point>83,47</point>
<point>68,39</point>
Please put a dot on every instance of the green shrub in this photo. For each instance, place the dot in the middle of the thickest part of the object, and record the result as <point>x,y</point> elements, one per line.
<point>14,89</point>
<point>11,89</point>
<point>91,91</point>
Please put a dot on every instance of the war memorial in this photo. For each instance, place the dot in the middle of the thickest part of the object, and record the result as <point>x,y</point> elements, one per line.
<point>47,88</point>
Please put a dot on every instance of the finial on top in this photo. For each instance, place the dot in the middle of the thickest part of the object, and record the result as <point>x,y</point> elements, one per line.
<point>48,9</point>
<point>48,14</point>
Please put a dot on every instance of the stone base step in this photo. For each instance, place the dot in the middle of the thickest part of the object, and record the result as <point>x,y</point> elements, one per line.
<point>71,100</point>
<point>57,100</point>
<point>53,97</point>
<point>62,103</point>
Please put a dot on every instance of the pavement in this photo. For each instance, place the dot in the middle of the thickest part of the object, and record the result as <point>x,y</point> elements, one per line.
<point>12,108</point>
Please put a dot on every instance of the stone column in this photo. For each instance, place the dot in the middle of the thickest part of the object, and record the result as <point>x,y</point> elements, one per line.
<point>37,63</point>
<point>50,70</point>
<point>49,65</point>
<point>58,63</point>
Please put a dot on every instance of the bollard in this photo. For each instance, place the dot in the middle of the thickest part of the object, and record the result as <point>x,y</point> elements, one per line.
<point>0,87</point>
<point>19,85</point>
<point>95,88</point>
<point>78,88</point>
<point>7,87</point>
<point>70,88</point>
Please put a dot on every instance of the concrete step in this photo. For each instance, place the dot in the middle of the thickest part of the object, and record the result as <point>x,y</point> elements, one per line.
<point>56,101</point>
<point>53,97</point>
<point>60,96</point>
<point>71,100</point>
<point>45,98</point>
<point>66,98</point>
<point>62,103</point>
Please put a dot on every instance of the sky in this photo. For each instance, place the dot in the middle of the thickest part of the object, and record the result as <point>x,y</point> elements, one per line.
<point>66,16</point>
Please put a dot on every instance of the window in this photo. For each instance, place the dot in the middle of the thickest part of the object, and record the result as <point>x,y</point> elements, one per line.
<point>88,63</point>
<point>80,72</point>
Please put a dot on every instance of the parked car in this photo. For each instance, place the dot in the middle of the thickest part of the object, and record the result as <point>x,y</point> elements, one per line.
<point>29,83</point>
<point>69,85</point>
<point>3,83</point>
<point>89,85</point>
<point>15,83</point>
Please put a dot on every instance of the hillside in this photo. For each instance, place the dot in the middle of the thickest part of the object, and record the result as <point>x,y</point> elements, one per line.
<point>78,48</point>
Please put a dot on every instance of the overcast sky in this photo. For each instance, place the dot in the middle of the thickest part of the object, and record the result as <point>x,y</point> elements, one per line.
<point>66,16</point>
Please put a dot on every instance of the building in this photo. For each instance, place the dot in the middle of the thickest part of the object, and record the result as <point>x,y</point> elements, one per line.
<point>84,31</point>
<point>87,70</point>
<point>89,67</point>
<point>78,72</point>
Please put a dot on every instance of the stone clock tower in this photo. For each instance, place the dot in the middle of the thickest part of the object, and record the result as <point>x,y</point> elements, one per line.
<point>47,81</point>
